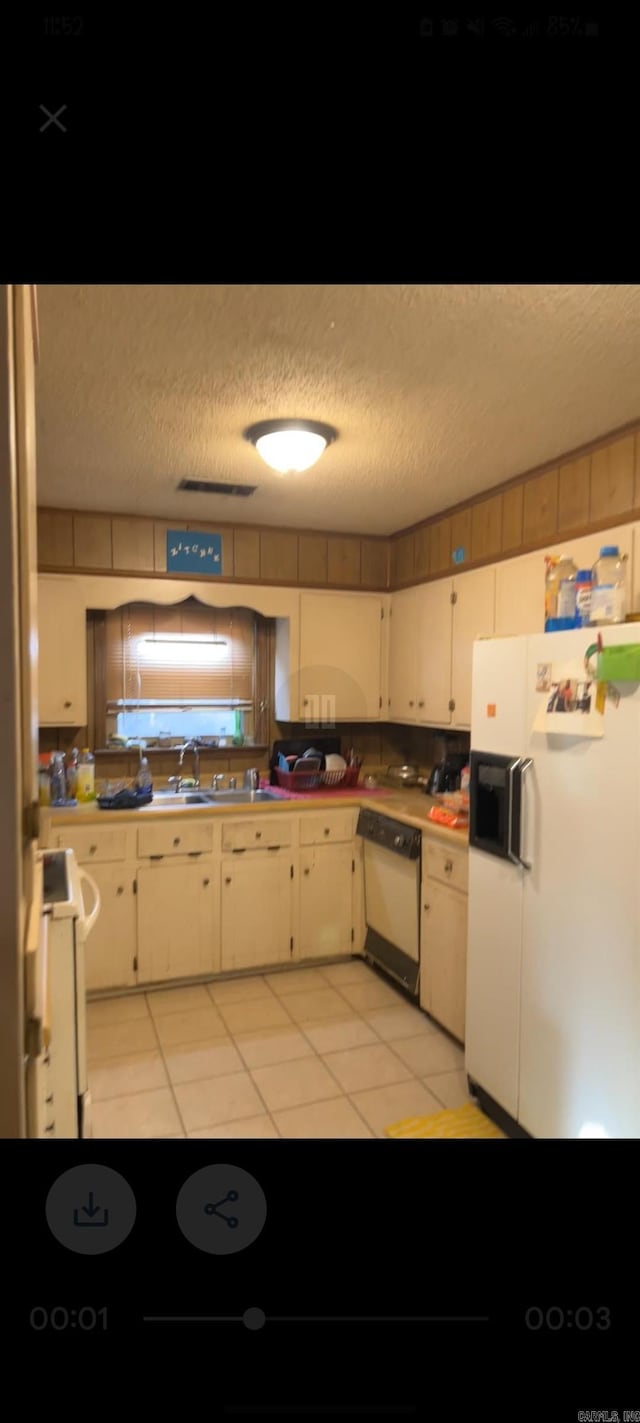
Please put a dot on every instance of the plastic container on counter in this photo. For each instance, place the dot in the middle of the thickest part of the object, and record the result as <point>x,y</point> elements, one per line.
<point>86,776</point>
<point>609,590</point>
<point>44,779</point>
<point>58,779</point>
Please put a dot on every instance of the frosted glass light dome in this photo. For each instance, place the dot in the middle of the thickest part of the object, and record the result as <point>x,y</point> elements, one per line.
<point>290,445</point>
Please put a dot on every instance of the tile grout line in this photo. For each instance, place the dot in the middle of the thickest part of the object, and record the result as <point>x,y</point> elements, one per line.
<point>166,1068</point>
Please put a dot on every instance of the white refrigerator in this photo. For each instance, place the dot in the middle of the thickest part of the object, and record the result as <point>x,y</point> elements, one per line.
<point>553,963</point>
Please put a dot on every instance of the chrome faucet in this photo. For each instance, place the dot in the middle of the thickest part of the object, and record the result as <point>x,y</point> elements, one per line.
<point>193,747</point>
<point>216,782</point>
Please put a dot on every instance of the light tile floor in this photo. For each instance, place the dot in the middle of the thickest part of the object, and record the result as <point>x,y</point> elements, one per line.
<point>323,1052</point>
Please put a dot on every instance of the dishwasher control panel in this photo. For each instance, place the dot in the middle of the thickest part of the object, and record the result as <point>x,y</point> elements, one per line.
<point>390,834</point>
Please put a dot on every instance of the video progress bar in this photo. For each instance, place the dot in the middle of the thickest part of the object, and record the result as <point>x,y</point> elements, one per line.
<point>317,1319</point>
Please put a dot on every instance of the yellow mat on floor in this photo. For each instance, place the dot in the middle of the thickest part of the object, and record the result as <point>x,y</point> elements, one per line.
<point>463,1121</point>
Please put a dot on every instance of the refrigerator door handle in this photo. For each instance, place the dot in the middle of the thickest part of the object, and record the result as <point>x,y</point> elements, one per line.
<point>522,772</point>
<point>511,773</point>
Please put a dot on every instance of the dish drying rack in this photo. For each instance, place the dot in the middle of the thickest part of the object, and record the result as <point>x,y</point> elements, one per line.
<point>315,780</point>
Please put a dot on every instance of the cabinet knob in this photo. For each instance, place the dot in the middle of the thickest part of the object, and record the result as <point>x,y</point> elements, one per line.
<point>120,889</point>
<point>448,866</point>
<point>327,832</point>
<point>67,705</point>
<point>227,879</point>
<point>258,834</point>
<point>420,704</point>
<point>306,871</point>
<point>410,704</point>
<point>305,701</point>
<point>51,1127</point>
<point>427,907</point>
<point>92,849</point>
<point>49,1100</point>
<point>205,882</point>
<point>177,840</point>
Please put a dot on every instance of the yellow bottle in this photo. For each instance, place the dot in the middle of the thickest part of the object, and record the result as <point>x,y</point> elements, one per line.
<point>86,776</point>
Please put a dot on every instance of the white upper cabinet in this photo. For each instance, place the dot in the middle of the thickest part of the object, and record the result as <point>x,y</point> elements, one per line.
<point>520,595</point>
<point>434,641</point>
<point>340,657</point>
<point>403,655</point>
<point>473,617</point>
<point>62,653</point>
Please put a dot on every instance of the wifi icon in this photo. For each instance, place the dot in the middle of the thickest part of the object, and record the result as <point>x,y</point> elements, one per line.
<point>505,27</point>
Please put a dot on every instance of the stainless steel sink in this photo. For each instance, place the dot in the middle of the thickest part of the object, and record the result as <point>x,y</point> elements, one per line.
<point>239,797</point>
<point>171,797</point>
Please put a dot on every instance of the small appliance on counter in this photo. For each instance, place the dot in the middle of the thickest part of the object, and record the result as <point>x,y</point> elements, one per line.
<point>445,777</point>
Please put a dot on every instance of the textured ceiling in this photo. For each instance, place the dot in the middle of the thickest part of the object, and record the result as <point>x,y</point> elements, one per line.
<point>437,392</point>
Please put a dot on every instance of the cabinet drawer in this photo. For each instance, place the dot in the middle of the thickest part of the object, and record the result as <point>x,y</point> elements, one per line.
<point>175,839</point>
<point>449,865</point>
<point>263,834</point>
<point>326,828</point>
<point>93,845</point>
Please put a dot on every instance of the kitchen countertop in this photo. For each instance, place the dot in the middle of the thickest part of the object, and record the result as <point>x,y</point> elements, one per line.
<point>411,807</point>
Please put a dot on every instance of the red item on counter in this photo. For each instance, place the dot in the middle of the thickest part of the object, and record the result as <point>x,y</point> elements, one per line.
<point>448,818</point>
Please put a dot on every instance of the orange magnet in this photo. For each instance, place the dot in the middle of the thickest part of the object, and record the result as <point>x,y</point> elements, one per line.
<point>491,708</point>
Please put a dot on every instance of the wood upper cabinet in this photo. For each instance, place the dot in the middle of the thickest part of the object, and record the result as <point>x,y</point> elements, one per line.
<point>178,921</point>
<point>473,617</point>
<point>340,657</point>
<point>403,655</point>
<point>62,653</point>
<point>432,633</point>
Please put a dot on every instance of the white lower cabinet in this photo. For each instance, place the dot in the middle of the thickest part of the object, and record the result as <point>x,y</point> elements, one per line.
<point>178,921</point>
<point>326,901</point>
<point>111,946</point>
<point>256,909</point>
<point>443,956</point>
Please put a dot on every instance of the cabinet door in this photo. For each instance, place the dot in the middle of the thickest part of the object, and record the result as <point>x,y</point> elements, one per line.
<point>443,956</point>
<point>62,653</point>
<point>340,657</point>
<point>432,632</point>
<point>111,945</point>
<point>256,894</point>
<point>178,922</point>
<point>326,901</point>
<point>520,595</point>
<point>403,656</point>
<point>473,616</point>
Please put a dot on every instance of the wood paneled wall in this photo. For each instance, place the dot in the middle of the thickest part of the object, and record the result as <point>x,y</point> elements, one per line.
<point>104,543</point>
<point>581,492</point>
<point>591,489</point>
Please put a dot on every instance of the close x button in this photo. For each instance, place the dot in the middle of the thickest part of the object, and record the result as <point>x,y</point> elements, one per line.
<point>52,118</point>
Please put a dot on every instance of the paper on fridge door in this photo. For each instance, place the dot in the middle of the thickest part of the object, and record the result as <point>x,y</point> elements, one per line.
<point>568,702</point>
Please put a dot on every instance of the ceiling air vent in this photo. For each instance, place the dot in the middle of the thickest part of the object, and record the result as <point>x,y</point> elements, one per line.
<point>204,486</point>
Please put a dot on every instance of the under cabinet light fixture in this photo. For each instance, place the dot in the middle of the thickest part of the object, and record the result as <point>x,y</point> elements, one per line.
<point>179,641</point>
<point>290,445</point>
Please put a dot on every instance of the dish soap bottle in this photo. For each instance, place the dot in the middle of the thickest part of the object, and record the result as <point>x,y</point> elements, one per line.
<point>144,781</point>
<point>72,773</point>
<point>86,776</point>
<point>58,779</point>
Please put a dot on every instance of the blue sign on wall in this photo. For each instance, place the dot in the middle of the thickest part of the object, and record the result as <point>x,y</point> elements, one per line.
<point>193,552</point>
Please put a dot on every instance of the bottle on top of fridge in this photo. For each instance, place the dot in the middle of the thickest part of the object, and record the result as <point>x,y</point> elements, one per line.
<point>44,779</point>
<point>86,777</point>
<point>608,592</point>
<point>58,779</point>
<point>583,597</point>
<point>560,571</point>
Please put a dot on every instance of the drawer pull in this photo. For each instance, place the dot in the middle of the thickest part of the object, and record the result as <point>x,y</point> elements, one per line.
<point>92,849</point>
<point>227,879</point>
<point>306,871</point>
<point>51,1127</point>
<point>205,882</point>
<point>273,847</point>
<point>195,854</point>
<point>410,704</point>
<point>427,907</point>
<point>448,866</point>
<point>327,832</point>
<point>420,704</point>
<point>67,705</point>
<point>177,840</point>
<point>49,1100</point>
<point>258,834</point>
<point>120,889</point>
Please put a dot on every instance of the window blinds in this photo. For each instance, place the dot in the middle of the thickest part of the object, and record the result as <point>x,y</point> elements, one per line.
<point>184,654</point>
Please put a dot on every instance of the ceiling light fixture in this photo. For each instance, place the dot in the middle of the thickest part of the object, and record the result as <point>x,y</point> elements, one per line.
<point>288,445</point>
